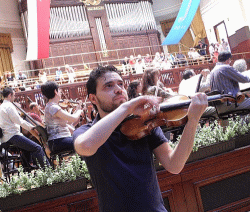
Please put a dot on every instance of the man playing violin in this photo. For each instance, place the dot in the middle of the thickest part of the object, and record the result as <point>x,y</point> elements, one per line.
<point>122,170</point>
<point>10,122</point>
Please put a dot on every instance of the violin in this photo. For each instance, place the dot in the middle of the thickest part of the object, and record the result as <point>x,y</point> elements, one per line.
<point>173,113</point>
<point>67,103</point>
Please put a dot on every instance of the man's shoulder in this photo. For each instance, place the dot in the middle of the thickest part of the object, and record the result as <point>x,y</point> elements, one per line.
<point>82,129</point>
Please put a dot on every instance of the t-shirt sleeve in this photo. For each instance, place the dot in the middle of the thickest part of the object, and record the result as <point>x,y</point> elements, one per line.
<point>80,131</point>
<point>156,138</point>
<point>54,109</point>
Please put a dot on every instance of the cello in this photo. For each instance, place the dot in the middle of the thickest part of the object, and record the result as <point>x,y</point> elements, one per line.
<point>40,132</point>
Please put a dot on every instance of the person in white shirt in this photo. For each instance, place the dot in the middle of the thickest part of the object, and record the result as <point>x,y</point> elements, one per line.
<point>211,50</point>
<point>193,54</point>
<point>10,123</point>
<point>71,73</point>
<point>140,66</point>
<point>166,64</point>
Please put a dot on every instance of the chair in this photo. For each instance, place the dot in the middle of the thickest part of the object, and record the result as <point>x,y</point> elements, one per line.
<point>60,155</point>
<point>10,161</point>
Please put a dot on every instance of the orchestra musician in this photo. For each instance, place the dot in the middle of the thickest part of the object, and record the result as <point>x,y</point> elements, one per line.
<point>151,84</point>
<point>122,170</point>
<point>10,122</point>
<point>224,78</point>
<point>35,112</point>
<point>134,89</point>
<point>58,121</point>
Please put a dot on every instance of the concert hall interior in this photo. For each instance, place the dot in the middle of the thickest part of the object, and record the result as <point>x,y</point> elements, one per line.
<point>163,48</point>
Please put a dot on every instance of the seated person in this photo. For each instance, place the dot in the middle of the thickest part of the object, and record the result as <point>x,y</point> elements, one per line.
<point>171,59</point>
<point>57,120</point>
<point>201,48</point>
<point>139,57</point>
<point>211,50</point>
<point>180,58</point>
<point>59,75</point>
<point>71,73</point>
<point>148,60</point>
<point>132,63</point>
<point>189,86</point>
<point>241,66</point>
<point>162,56</point>
<point>166,64</point>
<point>157,60</point>
<point>215,55</point>
<point>225,79</point>
<point>10,122</point>
<point>195,56</point>
<point>35,112</point>
<point>151,84</point>
<point>21,76</point>
<point>9,77</point>
<point>125,65</point>
<point>186,88</point>
<point>140,66</point>
<point>205,81</point>
<point>42,76</point>
<point>134,89</point>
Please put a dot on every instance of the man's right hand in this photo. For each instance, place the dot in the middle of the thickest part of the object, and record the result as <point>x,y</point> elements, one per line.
<point>142,105</point>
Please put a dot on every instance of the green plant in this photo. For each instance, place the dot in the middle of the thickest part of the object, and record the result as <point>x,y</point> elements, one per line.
<point>69,171</point>
<point>214,133</point>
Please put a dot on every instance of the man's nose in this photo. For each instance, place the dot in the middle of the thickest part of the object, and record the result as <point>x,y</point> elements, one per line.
<point>118,89</point>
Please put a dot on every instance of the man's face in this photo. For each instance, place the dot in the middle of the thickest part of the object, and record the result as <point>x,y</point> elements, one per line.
<point>110,92</point>
<point>36,109</point>
<point>12,97</point>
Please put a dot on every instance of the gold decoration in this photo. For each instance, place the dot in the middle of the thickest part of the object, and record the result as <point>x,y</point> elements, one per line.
<point>91,2</point>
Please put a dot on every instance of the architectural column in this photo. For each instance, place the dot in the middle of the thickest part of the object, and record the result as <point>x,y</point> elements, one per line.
<point>99,28</point>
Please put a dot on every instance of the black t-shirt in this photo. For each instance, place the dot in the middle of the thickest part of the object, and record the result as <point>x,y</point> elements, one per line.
<point>123,172</point>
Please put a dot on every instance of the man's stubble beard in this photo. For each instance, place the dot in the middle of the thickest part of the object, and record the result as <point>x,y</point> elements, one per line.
<point>108,108</point>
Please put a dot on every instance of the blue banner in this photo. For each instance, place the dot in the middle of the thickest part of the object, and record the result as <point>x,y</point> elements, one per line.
<point>182,22</point>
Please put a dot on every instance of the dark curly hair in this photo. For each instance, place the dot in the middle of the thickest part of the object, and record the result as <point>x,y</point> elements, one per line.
<point>48,89</point>
<point>6,91</point>
<point>95,75</point>
<point>224,56</point>
<point>148,79</point>
<point>132,89</point>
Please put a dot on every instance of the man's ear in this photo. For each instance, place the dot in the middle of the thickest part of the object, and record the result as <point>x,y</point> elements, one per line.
<point>92,98</point>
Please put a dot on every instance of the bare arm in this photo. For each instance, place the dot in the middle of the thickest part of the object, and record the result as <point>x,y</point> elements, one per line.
<point>67,116</point>
<point>88,143</point>
<point>174,160</point>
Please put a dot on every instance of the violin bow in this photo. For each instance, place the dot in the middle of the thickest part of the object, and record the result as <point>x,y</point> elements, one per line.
<point>157,88</point>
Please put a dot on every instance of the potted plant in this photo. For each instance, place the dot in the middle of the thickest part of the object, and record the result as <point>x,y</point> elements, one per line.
<point>44,184</point>
<point>214,139</point>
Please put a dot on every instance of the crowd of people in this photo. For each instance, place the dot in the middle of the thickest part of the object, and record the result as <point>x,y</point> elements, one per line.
<point>121,170</point>
<point>130,65</point>
<point>21,82</point>
<point>161,61</point>
<point>165,61</point>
